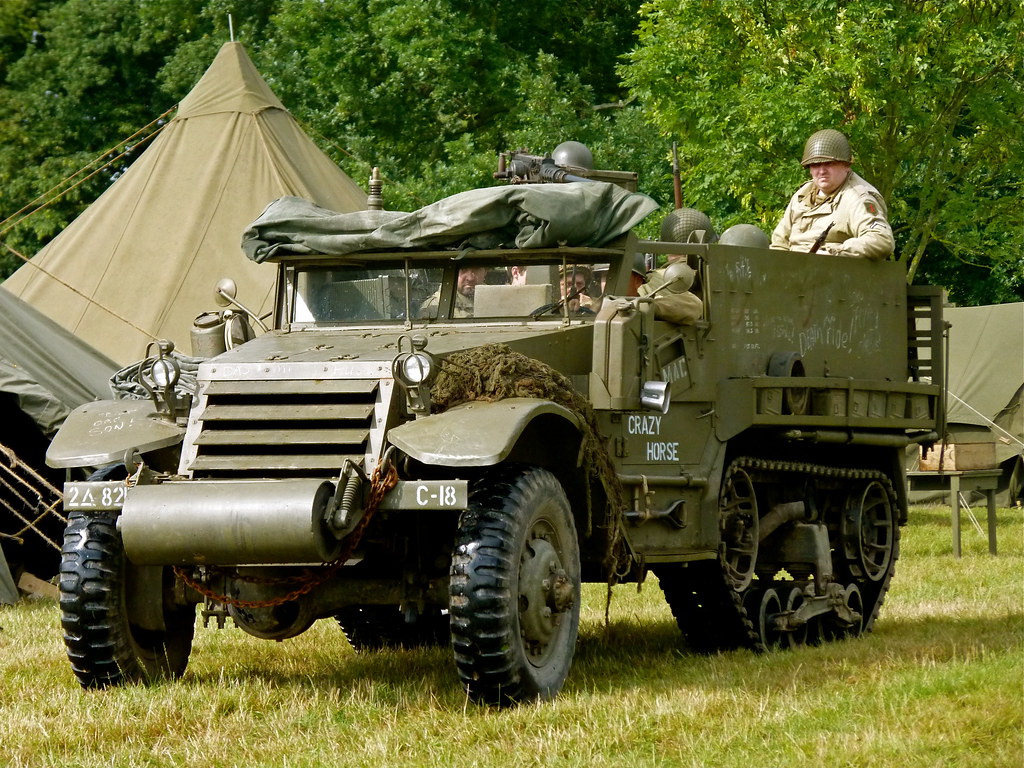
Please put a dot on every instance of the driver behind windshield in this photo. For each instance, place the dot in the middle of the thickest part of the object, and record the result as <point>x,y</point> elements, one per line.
<point>469,278</point>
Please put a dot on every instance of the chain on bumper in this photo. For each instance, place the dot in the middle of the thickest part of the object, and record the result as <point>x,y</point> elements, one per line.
<point>383,479</point>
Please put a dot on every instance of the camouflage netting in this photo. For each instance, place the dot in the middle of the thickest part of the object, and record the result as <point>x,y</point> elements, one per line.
<point>495,372</point>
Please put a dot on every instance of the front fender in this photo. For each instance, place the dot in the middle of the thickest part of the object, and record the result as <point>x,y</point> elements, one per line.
<point>474,434</point>
<point>101,432</point>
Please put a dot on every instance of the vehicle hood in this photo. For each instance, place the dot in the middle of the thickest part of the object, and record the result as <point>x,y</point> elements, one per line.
<point>565,348</point>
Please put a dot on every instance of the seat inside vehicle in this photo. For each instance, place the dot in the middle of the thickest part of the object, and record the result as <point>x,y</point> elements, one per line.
<point>510,300</point>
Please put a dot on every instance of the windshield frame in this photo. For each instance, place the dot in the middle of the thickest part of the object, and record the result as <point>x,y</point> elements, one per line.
<point>297,274</point>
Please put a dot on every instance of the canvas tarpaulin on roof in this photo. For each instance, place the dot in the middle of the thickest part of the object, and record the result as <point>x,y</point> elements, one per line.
<point>143,260</point>
<point>520,216</point>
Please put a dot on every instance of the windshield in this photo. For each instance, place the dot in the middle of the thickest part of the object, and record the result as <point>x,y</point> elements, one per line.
<point>375,292</point>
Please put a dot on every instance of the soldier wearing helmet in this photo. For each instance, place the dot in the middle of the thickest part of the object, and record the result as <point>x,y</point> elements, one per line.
<point>836,212</point>
<point>670,285</point>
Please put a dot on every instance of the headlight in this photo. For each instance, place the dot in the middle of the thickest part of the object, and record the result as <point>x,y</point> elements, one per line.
<point>159,374</point>
<point>415,368</point>
<point>165,372</point>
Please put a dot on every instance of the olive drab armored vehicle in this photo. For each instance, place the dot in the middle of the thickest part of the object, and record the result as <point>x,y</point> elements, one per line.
<point>439,440</point>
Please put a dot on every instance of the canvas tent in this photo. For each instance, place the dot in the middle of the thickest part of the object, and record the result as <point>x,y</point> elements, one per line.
<point>146,255</point>
<point>986,383</point>
<point>46,368</point>
<point>45,372</point>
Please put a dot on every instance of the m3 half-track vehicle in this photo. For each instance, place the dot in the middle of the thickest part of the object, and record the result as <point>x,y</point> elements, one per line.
<point>425,461</point>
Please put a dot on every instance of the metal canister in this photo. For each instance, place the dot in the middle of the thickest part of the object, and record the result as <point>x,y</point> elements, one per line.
<point>207,335</point>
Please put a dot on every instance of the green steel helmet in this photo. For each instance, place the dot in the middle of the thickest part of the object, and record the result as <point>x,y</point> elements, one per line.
<point>643,263</point>
<point>746,235</point>
<point>687,225</point>
<point>826,146</point>
<point>573,154</point>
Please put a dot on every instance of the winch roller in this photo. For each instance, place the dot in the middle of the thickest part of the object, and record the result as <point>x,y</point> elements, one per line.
<point>228,522</point>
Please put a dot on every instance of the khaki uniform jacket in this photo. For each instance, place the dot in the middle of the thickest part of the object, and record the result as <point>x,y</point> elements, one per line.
<point>858,210</point>
<point>428,309</point>
<point>683,308</point>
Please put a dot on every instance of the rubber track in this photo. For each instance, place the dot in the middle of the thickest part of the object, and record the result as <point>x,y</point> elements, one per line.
<point>712,615</point>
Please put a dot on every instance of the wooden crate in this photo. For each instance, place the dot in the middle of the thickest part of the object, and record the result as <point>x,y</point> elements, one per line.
<point>959,457</point>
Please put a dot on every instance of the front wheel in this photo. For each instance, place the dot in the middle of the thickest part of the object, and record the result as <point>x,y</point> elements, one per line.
<point>105,644</point>
<point>515,588</point>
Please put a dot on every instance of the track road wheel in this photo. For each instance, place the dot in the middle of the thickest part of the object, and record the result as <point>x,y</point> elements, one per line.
<point>869,533</point>
<point>798,637</point>
<point>850,621</point>
<point>769,609</point>
<point>515,588</point>
<point>103,643</point>
<point>738,519</point>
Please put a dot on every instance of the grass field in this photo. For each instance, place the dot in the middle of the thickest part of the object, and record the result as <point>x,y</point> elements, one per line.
<point>940,682</point>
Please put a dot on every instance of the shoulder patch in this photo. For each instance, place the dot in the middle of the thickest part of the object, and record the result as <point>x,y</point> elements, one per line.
<point>871,207</point>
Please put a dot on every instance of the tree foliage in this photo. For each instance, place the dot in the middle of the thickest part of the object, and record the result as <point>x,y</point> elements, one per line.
<point>430,90</point>
<point>931,93</point>
<point>83,76</point>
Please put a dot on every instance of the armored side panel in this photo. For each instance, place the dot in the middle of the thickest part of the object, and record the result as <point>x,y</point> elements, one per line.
<point>844,318</point>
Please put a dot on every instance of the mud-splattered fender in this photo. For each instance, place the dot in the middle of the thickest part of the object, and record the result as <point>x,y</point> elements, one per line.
<point>100,432</point>
<point>476,433</point>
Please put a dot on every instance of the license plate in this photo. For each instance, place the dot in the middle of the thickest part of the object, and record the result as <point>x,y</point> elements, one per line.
<point>98,496</point>
<point>428,494</point>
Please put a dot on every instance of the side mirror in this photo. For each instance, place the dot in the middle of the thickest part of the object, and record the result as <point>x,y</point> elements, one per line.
<point>225,292</point>
<point>678,277</point>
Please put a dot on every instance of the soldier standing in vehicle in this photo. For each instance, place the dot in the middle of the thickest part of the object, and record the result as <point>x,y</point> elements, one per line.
<point>836,212</point>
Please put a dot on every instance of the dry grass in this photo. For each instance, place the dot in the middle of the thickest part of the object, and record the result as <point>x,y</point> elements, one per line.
<point>939,683</point>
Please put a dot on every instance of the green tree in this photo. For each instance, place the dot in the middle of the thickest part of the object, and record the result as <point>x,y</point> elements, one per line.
<point>98,71</point>
<point>431,91</point>
<point>931,93</point>
<point>19,29</point>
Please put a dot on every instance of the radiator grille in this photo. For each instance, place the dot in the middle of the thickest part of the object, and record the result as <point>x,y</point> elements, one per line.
<point>302,428</point>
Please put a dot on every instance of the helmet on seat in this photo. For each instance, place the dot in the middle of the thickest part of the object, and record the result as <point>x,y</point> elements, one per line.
<point>746,235</point>
<point>687,225</point>
<point>574,155</point>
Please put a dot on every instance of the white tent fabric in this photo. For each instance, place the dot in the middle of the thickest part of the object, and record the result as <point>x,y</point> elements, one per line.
<point>144,258</point>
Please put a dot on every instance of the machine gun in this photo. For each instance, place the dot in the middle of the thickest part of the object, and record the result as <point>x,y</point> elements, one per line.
<point>521,167</point>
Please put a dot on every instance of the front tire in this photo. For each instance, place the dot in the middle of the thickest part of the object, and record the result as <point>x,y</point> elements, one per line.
<point>104,645</point>
<point>515,588</point>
